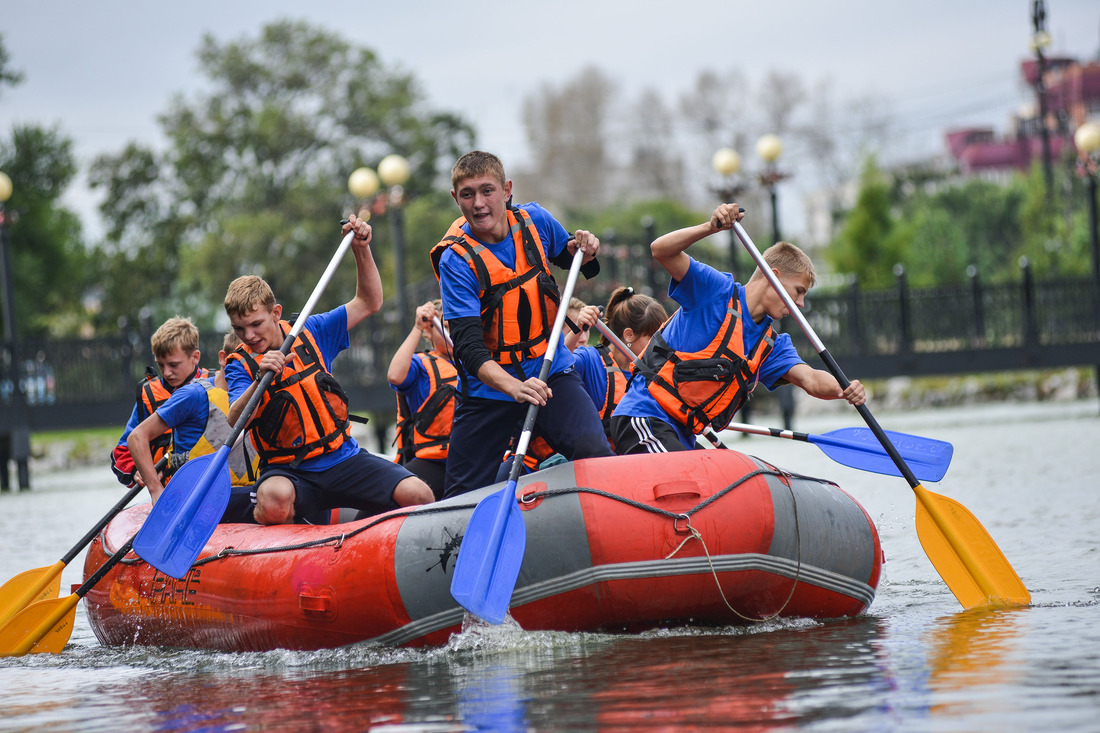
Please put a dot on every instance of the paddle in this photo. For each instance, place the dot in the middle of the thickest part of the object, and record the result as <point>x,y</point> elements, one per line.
<point>190,507</point>
<point>853,447</point>
<point>491,552</point>
<point>42,583</point>
<point>957,544</point>
<point>45,627</point>
<point>858,448</point>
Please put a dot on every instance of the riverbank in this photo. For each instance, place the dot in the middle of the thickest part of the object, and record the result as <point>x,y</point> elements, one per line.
<point>65,450</point>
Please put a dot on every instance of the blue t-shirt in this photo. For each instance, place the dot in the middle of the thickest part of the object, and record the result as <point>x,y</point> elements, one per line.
<point>186,413</point>
<point>417,384</point>
<point>589,365</point>
<point>330,331</point>
<point>136,418</point>
<point>459,288</point>
<point>703,295</point>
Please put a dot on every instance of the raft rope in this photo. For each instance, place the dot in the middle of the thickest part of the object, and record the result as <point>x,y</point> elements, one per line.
<point>694,534</point>
<point>335,541</point>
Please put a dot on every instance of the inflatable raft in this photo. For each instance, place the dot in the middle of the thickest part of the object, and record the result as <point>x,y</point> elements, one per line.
<point>623,543</point>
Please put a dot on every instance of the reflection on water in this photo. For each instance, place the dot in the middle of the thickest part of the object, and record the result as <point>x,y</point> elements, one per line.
<point>915,663</point>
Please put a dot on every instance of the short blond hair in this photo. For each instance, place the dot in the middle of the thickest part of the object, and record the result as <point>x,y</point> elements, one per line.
<point>230,342</point>
<point>247,293</point>
<point>789,260</point>
<point>175,333</point>
<point>474,164</point>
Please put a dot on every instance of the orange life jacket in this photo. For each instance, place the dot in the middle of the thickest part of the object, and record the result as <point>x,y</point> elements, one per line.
<point>538,450</point>
<point>153,392</point>
<point>518,306</point>
<point>304,412</point>
<point>616,385</point>
<point>426,432</point>
<point>706,387</point>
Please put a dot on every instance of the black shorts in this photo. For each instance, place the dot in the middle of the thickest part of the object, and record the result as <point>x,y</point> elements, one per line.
<point>643,435</point>
<point>364,482</point>
<point>242,505</point>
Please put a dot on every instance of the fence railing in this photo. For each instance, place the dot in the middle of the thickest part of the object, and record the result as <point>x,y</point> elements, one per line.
<point>874,334</point>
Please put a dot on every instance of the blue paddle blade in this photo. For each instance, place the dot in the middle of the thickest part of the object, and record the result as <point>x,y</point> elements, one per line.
<point>928,459</point>
<point>186,514</point>
<point>490,556</point>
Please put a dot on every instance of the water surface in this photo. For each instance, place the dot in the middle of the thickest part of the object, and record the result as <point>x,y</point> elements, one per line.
<point>914,662</point>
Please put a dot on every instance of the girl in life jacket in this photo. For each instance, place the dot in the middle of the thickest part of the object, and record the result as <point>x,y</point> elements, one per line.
<point>426,383</point>
<point>605,369</point>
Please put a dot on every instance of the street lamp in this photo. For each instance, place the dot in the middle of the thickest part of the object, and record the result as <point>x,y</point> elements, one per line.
<point>726,162</point>
<point>394,172</point>
<point>20,446</point>
<point>1087,140</point>
<point>1039,41</point>
<point>769,148</point>
<point>365,185</point>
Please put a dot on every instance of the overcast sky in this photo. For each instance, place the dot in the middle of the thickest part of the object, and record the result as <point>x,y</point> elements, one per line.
<point>102,71</point>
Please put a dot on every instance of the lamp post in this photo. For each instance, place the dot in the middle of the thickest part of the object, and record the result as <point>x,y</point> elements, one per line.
<point>726,162</point>
<point>769,148</point>
<point>394,172</point>
<point>20,440</point>
<point>1039,41</point>
<point>365,185</point>
<point>1087,140</point>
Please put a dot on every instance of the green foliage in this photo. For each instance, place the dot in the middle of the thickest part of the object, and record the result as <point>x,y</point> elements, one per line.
<point>940,228</point>
<point>868,245</point>
<point>49,263</point>
<point>8,75</point>
<point>254,176</point>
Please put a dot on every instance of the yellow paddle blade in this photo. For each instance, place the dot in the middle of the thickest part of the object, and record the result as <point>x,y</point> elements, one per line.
<point>43,627</point>
<point>29,587</point>
<point>964,554</point>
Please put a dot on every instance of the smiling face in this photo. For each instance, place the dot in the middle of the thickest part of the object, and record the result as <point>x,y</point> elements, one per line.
<point>483,200</point>
<point>259,328</point>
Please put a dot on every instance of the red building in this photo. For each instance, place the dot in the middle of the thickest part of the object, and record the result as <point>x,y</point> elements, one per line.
<point>1072,98</point>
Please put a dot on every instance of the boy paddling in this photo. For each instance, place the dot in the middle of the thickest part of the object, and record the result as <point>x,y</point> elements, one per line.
<point>705,361</point>
<point>309,461</point>
<point>500,300</point>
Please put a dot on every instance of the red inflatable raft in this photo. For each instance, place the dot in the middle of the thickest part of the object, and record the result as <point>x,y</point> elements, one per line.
<point>613,544</point>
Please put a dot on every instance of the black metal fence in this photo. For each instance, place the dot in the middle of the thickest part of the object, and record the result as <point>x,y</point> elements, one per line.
<point>873,334</point>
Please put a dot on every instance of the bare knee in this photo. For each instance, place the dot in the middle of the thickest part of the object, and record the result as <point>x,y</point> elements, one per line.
<point>275,501</point>
<point>412,491</point>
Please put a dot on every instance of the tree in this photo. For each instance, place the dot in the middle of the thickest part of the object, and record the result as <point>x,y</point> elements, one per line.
<point>567,133</point>
<point>8,75</point>
<point>49,262</point>
<point>253,179</point>
<point>655,168</point>
<point>868,246</point>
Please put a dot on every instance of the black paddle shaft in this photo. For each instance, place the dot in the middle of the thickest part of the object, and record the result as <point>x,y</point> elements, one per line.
<point>105,568</point>
<point>134,491</point>
<point>257,395</point>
